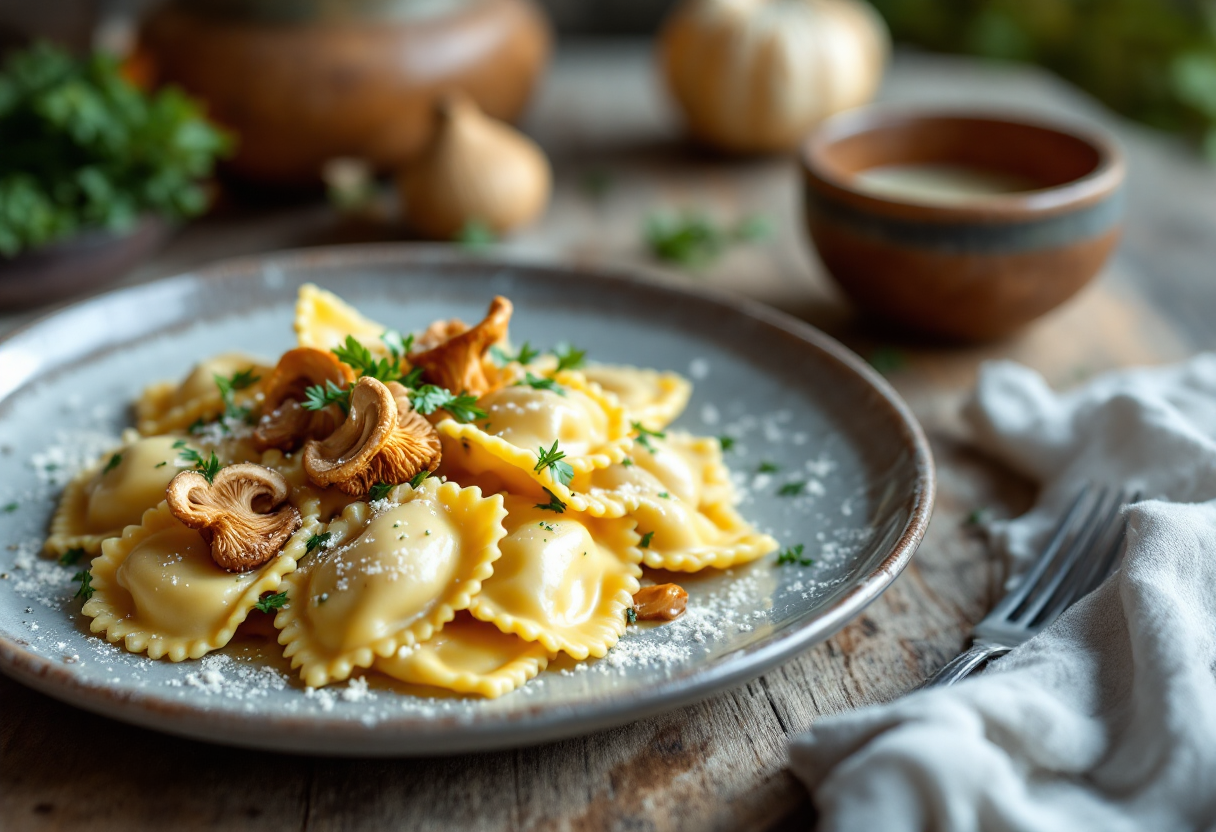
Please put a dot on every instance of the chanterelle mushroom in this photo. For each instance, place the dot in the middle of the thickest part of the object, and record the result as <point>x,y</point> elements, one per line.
<point>382,440</point>
<point>242,513</point>
<point>457,363</point>
<point>285,424</point>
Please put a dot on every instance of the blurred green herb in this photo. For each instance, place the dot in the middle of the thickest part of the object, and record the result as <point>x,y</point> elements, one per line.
<point>71,556</point>
<point>84,148</point>
<point>271,602</point>
<point>475,235</point>
<point>693,240</point>
<point>596,183</point>
<point>887,360</point>
<point>793,555</point>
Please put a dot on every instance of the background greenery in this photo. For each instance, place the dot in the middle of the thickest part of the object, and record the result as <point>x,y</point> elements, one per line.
<point>1153,60</point>
<point>80,147</point>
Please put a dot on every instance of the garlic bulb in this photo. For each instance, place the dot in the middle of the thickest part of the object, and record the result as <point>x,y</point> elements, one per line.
<point>757,75</point>
<point>475,169</point>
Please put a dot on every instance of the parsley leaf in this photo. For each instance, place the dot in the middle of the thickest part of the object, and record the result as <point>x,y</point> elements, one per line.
<point>319,397</point>
<point>502,358</point>
<point>317,541</point>
<point>71,556</point>
<point>9,508</point>
<point>793,555</point>
<point>631,615</point>
<point>664,495</point>
<point>208,467</point>
<point>549,527</point>
<point>554,503</point>
<point>428,398</point>
<point>379,491</point>
<point>644,435</point>
<point>979,516</point>
<point>271,602</point>
<point>418,479</point>
<point>792,489</point>
<point>627,461</point>
<point>767,467</point>
<point>727,442</point>
<point>397,345</point>
<point>360,358</point>
<point>646,538</point>
<point>552,459</point>
<point>240,380</point>
<point>569,357</point>
<point>475,235</point>
<point>112,464</point>
<point>694,240</point>
<point>85,590</point>
<point>541,383</point>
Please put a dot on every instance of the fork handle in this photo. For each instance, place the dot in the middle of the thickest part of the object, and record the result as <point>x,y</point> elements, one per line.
<point>964,665</point>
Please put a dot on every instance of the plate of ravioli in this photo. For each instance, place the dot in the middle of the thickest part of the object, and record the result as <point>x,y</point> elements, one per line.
<point>395,500</point>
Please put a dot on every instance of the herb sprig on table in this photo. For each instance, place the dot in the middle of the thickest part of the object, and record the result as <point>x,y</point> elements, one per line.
<point>693,240</point>
<point>84,149</point>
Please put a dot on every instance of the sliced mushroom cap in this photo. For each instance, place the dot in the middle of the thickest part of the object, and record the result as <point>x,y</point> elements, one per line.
<point>458,363</point>
<point>242,514</point>
<point>663,602</point>
<point>342,458</point>
<point>284,423</point>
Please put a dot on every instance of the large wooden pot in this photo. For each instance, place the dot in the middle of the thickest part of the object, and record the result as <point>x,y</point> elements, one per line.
<point>359,83</point>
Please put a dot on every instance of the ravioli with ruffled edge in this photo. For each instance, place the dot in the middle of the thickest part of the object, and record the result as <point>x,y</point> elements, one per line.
<point>391,574</point>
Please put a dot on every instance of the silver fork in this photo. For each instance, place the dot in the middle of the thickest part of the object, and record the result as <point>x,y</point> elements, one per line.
<point>1084,549</point>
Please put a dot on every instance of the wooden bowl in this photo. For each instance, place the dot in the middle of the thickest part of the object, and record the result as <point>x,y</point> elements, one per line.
<point>75,265</point>
<point>973,267</point>
<point>300,92</point>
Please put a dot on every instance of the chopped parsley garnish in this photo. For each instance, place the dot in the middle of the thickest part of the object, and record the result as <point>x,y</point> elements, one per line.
<point>552,459</point>
<point>9,508</point>
<point>727,442</point>
<point>161,464</point>
<point>792,489</point>
<point>397,345</point>
<point>694,240</point>
<point>71,556</point>
<point>502,358</point>
<point>360,359</point>
<point>646,538</point>
<point>85,590</point>
<point>428,398</point>
<point>554,503</point>
<point>419,478</point>
<point>549,527</point>
<point>631,615</point>
<point>379,491</point>
<point>541,383</point>
<point>627,461</point>
<point>196,426</point>
<point>475,235</point>
<point>112,464</point>
<point>317,541</point>
<point>644,435</point>
<point>793,555</point>
<point>271,602</point>
<point>240,380</point>
<point>318,397</point>
<point>208,467</point>
<point>569,357</point>
<point>767,468</point>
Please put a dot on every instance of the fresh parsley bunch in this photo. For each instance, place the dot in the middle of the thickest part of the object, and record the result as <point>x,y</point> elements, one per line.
<point>84,148</point>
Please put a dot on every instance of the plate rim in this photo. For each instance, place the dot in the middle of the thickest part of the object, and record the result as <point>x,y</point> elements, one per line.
<point>300,733</point>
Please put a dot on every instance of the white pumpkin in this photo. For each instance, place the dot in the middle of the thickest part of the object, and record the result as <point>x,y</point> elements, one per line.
<point>756,75</point>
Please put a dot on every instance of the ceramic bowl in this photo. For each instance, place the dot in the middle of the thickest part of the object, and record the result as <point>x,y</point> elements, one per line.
<point>76,265</point>
<point>966,268</point>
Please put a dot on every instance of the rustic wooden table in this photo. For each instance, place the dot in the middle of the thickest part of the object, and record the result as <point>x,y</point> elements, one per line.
<point>719,764</point>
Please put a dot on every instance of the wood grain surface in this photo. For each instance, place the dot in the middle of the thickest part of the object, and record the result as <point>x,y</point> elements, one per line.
<point>719,764</point>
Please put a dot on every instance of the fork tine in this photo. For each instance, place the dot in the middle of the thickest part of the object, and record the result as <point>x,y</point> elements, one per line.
<point>1086,538</point>
<point>1113,557</point>
<point>1091,568</point>
<point>1018,595</point>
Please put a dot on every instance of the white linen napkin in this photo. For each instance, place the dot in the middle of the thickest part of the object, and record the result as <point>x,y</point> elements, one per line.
<point>1106,720</point>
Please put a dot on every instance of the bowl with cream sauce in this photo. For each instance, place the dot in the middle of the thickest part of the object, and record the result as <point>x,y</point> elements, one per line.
<point>961,226</point>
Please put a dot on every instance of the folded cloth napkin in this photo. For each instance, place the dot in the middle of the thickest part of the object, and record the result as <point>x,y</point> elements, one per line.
<point>1107,719</point>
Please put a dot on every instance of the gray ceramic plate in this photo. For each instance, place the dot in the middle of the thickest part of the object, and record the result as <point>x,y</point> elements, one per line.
<point>783,390</point>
